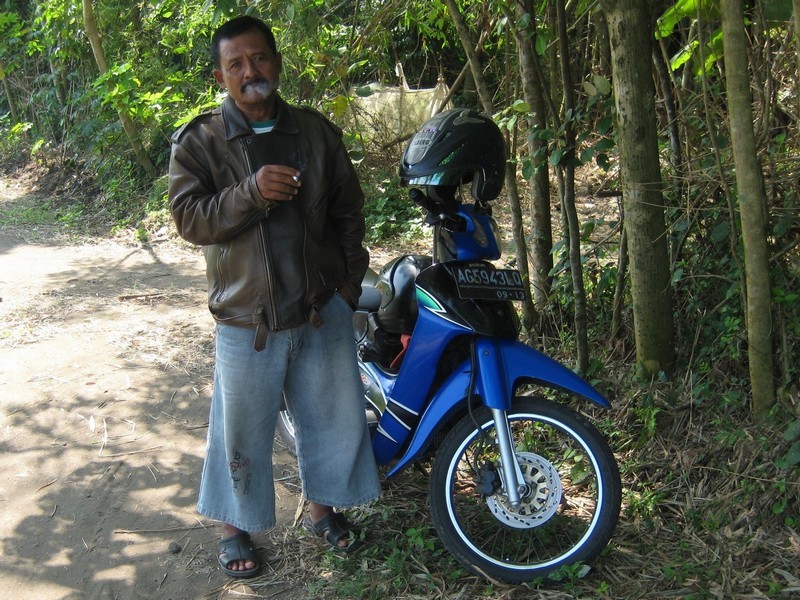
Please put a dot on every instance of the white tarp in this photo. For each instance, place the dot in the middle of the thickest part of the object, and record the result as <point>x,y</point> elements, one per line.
<point>392,113</point>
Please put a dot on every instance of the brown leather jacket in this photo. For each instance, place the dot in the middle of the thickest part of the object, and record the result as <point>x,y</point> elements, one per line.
<point>270,265</point>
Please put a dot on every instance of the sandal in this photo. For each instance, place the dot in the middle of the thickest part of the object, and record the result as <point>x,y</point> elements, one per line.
<point>238,547</point>
<point>334,528</point>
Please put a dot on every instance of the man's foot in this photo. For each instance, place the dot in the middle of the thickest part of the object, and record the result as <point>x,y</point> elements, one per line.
<point>333,527</point>
<point>237,556</point>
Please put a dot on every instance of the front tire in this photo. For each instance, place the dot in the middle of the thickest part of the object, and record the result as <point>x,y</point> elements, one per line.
<point>567,514</point>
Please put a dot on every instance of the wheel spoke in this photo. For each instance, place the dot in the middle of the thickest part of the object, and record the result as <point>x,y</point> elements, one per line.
<point>558,520</point>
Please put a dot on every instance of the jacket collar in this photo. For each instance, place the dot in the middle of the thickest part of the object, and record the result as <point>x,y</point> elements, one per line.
<point>236,125</point>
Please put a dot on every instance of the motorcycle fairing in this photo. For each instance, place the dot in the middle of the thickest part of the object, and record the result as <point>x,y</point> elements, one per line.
<point>478,239</point>
<point>502,366</point>
<point>377,385</point>
<point>431,336</point>
<point>437,290</point>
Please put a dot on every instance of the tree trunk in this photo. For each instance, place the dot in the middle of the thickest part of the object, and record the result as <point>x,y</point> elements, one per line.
<point>474,63</point>
<point>568,168</point>
<point>539,182</point>
<point>127,124</point>
<point>752,209</point>
<point>7,89</point>
<point>619,288</point>
<point>529,313</point>
<point>631,37</point>
<point>676,155</point>
<point>604,48</point>
<point>796,11</point>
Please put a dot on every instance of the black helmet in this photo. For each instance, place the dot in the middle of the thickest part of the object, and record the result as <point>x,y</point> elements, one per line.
<point>454,147</point>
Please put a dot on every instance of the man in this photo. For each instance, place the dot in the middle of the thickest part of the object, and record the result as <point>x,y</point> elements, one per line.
<point>269,191</point>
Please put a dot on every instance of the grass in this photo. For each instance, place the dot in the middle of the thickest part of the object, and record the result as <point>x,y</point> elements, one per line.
<point>706,514</point>
<point>700,520</point>
<point>26,215</point>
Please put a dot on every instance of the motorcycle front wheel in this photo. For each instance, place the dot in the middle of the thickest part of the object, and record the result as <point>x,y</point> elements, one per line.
<point>569,507</point>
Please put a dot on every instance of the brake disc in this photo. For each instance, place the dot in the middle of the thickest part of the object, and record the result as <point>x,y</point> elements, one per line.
<point>540,500</point>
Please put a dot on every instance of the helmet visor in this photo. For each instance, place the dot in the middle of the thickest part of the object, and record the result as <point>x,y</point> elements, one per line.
<point>448,177</point>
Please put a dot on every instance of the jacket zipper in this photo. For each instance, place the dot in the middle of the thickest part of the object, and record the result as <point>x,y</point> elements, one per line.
<point>262,227</point>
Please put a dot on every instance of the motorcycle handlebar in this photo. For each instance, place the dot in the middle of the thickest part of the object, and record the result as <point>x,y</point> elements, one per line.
<point>437,212</point>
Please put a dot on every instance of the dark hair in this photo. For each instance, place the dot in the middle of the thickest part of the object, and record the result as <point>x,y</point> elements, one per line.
<point>237,26</point>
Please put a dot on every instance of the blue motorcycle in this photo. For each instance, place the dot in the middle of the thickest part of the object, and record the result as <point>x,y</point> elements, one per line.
<point>520,485</point>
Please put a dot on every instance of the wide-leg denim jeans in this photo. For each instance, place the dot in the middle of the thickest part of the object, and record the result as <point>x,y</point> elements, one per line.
<point>317,370</point>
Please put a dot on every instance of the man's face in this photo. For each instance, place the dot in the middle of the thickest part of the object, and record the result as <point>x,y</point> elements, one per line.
<point>249,70</point>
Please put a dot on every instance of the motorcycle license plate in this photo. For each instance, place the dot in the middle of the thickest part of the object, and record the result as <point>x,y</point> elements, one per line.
<point>483,281</point>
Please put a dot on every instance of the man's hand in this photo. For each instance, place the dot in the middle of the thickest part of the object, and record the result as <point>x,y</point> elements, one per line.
<point>278,182</point>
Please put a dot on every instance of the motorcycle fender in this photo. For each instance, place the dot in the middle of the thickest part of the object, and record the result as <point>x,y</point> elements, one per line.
<point>520,363</point>
<point>523,363</point>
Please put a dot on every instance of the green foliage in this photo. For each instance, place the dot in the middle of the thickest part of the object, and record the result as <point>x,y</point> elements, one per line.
<point>568,576</point>
<point>14,138</point>
<point>686,9</point>
<point>643,504</point>
<point>389,212</point>
<point>26,216</point>
<point>595,141</point>
<point>679,573</point>
<point>775,13</point>
<point>160,75</point>
<point>12,32</point>
<point>792,456</point>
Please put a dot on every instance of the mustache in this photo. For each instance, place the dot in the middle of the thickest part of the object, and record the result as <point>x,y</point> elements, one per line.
<point>255,82</point>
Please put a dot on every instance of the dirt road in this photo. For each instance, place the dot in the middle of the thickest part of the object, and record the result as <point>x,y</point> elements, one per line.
<point>105,374</point>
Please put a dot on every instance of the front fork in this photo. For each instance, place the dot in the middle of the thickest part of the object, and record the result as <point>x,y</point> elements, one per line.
<point>488,358</point>
<point>512,473</point>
